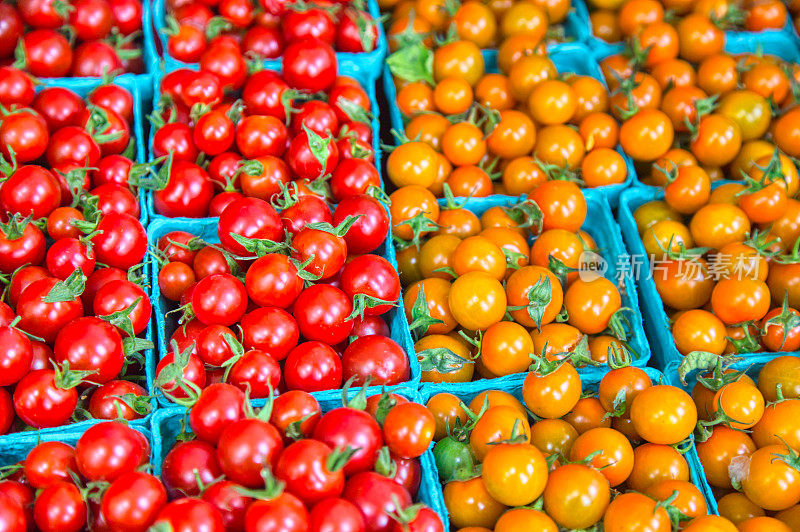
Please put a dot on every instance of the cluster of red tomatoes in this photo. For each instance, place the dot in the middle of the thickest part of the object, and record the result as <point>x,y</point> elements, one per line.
<point>281,290</point>
<point>265,29</point>
<point>616,20</point>
<point>625,435</point>
<point>355,467</point>
<point>81,38</point>
<point>748,438</point>
<point>482,301</point>
<point>289,467</point>
<point>70,253</point>
<point>277,132</point>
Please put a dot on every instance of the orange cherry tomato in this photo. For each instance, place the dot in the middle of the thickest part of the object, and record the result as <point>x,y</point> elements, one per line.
<point>562,203</point>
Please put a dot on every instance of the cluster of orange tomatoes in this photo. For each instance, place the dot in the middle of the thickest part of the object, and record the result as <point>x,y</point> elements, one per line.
<point>548,454</point>
<point>488,129</point>
<point>615,20</point>
<point>486,24</point>
<point>681,97</point>
<point>726,269</point>
<point>482,301</point>
<point>748,440</point>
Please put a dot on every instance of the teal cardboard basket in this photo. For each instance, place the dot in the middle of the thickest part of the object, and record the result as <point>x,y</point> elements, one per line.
<point>166,424</point>
<point>15,447</point>
<point>367,63</point>
<point>777,43</point>
<point>82,87</point>
<point>133,84</point>
<point>656,321</point>
<point>207,229</point>
<point>596,43</point>
<point>361,76</point>
<point>751,366</point>
<point>143,82</point>
<point>513,385</point>
<point>601,226</point>
<point>567,57</point>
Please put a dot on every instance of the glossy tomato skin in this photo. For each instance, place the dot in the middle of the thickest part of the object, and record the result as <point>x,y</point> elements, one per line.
<point>270,329</point>
<point>24,132</point>
<point>190,515</point>
<point>256,371</point>
<point>321,312</point>
<point>116,198</point>
<point>11,28</point>
<point>68,254</point>
<point>309,64</point>
<point>31,190</point>
<point>122,241</point>
<point>219,405</point>
<point>327,252</point>
<point>426,520</point>
<point>369,325</point>
<point>378,357</point>
<point>305,163</point>
<point>262,94</point>
<point>272,281</point>
<point>60,507</point>
<point>91,344</point>
<point>313,367</point>
<point>231,504</point>
<point>98,279</point>
<point>188,192</point>
<point>109,450</point>
<point>114,98</point>
<point>45,319</point>
<point>219,299</point>
<point>59,107</point>
<point>118,295</point>
<point>6,411</point>
<point>194,373</point>
<point>375,496</point>
<point>408,430</point>
<point>347,426</point>
<point>13,515</point>
<point>336,515</point>
<point>284,512</point>
<point>303,466</point>
<point>374,277</point>
<point>16,354</point>
<point>72,144</point>
<point>408,474</point>
<point>250,218</point>
<point>40,403</point>
<point>308,209</point>
<point>16,87</point>
<point>104,403</point>
<point>353,177</point>
<point>371,228</point>
<point>47,53</point>
<point>185,463</point>
<point>133,501</point>
<point>175,246</point>
<point>49,463</point>
<point>92,59</point>
<point>29,248</point>
<point>297,407</point>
